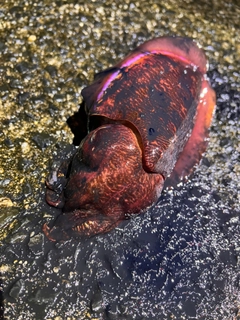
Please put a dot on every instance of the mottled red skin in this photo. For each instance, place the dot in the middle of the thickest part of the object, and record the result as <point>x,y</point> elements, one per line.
<point>149,117</point>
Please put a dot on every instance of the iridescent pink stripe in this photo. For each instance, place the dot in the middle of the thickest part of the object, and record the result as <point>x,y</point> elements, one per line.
<point>107,83</point>
<point>136,58</point>
<point>170,54</point>
<point>114,75</point>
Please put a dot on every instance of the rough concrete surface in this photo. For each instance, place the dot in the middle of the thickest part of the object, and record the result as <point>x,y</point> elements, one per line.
<point>180,259</point>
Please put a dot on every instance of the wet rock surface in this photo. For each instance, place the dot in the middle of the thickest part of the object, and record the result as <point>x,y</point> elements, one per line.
<point>180,259</point>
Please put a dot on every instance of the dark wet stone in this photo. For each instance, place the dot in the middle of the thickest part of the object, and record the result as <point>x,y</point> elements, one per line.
<point>112,312</point>
<point>30,116</point>
<point>7,215</point>
<point>66,151</point>
<point>17,289</point>
<point>43,296</point>
<point>38,99</point>
<point>16,84</point>
<point>27,189</point>
<point>118,269</point>
<point>1,296</point>
<point>23,163</point>
<point>8,142</point>
<point>23,97</point>
<point>2,13</point>
<point>50,90</point>
<point>4,88</point>
<point>27,76</point>
<point>123,310</point>
<point>52,109</point>
<point>224,142</point>
<point>17,196</point>
<point>205,161</point>
<point>5,182</point>
<point>119,312</point>
<point>80,80</point>
<point>67,69</point>
<point>2,46</point>
<point>24,67</point>
<point>97,302</point>
<point>35,244</point>
<point>4,97</point>
<point>51,70</point>
<point>18,237</point>
<point>13,119</point>
<point>3,69</point>
<point>45,82</point>
<point>216,196</point>
<point>15,10</point>
<point>59,97</point>
<point>42,140</point>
